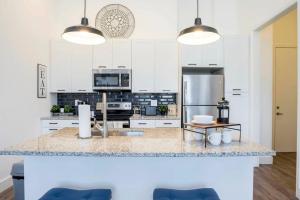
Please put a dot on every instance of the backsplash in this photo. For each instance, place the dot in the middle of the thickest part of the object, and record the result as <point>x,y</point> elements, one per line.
<point>137,99</point>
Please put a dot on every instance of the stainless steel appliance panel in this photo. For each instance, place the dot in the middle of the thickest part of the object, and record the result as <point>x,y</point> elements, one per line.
<point>190,111</point>
<point>202,89</point>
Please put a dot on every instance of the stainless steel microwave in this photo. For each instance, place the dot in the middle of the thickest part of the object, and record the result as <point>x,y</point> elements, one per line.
<point>111,79</point>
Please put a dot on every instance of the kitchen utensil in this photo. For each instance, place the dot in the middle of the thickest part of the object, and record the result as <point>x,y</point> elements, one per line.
<point>172,110</point>
<point>227,137</point>
<point>215,138</point>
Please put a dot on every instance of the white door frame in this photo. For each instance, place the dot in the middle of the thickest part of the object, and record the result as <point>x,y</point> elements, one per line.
<point>255,84</point>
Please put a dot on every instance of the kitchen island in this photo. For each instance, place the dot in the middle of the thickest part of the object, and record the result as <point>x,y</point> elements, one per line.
<point>134,166</point>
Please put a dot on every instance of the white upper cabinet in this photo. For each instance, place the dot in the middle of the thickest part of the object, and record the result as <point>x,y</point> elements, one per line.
<point>236,59</point>
<point>143,66</point>
<point>209,55</point>
<point>103,55</point>
<point>81,68</point>
<point>166,67</point>
<point>121,54</point>
<point>113,54</point>
<point>60,76</point>
<point>71,67</point>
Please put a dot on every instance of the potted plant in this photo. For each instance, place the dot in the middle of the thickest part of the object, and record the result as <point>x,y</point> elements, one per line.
<point>68,110</point>
<point>55,110</point>
<point>163,109</point>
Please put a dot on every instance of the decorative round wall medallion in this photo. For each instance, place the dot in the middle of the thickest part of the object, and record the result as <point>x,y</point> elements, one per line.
<point>115,21</point>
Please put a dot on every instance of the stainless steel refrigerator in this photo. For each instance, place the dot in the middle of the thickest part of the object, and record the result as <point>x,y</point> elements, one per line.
<point>200,95</point>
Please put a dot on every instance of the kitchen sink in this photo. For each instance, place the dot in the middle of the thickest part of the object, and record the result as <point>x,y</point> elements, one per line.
<point>129,133</point>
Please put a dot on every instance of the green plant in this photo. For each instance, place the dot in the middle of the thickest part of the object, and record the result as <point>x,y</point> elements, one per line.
<point>55,109</point>
<point>68,109</point>
<point>163,109</point>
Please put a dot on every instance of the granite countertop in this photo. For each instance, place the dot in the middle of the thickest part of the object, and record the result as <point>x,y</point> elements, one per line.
<point>157,117</point>
<point>167,142</point>
<point>73,117</point>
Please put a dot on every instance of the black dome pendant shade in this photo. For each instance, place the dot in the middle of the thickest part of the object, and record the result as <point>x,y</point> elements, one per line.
<point>83,34</point>
<point>198,34</point>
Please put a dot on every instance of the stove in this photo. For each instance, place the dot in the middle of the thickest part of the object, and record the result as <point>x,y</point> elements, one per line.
<point>118,114</point>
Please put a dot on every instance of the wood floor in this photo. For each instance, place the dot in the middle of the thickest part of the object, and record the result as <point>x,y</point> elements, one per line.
<point>277,181</point>
<point>271,182</point>
<point>7,194</point>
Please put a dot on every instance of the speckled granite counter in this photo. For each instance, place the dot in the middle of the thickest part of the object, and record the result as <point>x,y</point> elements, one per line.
<point>157,117</point>
<point>155,143</point>
<point>74,117</point>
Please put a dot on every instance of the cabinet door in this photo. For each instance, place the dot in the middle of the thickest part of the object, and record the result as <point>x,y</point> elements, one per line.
<point>166,71</point>
<point>212,54</point>
<point>209,55</point>
<point>60,76</point>
<point>102,56</point>
<point>122,54</point>
<point>239,111</point>
<point>143,66</point>
<point>191,56</point>
<point>81,68</point>
<point>236,58</point>
<point>142,123</point>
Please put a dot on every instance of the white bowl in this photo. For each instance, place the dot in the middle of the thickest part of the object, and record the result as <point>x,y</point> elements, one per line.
<point>203,119</point>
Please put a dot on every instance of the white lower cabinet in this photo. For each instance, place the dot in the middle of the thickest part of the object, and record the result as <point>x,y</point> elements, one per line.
<point>54,125</point>
<point>155,124</point>
<point>142,123</point>
<point>167,124</point>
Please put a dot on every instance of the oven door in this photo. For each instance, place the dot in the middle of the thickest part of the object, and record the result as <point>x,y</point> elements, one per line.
<point>106,81</point>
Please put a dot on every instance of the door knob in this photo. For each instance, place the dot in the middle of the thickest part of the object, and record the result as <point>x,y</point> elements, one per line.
<point>278,113</point>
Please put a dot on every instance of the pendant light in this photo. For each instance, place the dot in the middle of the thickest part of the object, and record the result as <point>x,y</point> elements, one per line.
<point>83,34</point>
<point>198,34</point>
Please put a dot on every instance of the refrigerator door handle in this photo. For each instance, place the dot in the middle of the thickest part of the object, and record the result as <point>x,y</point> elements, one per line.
<point>184,115</point>
<point>184,91</point>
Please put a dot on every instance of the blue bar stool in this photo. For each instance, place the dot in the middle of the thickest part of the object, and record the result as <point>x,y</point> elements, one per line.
<point>197,194</point>
<point>69,194</point>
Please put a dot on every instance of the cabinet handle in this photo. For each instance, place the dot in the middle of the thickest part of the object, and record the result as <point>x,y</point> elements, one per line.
<point>121,66</point>
<point>75,123</point>
<point>167,123</point>
<point>166,90</point>
<point>61,90</point>
<point>192,64</point>
<point>213,64</point>
<point>140,123</point>
<point>53,129</point>
<point>53,123</point>
<point>101,66</point>
<point>81,90</point>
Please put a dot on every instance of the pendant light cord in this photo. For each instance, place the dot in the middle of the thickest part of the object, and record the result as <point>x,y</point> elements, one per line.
<point>84,9</point>
<point>197,8</point>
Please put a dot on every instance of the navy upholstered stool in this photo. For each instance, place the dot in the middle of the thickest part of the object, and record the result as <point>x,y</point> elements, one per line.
<point>197,194</point>
<point>68,194</point>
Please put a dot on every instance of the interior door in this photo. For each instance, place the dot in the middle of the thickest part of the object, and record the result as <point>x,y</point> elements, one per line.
<point>285,133</point>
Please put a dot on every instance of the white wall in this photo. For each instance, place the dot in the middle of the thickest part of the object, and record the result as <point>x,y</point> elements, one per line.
<point>153,19</point>
<point>266,88</point>
<point>24,39</point>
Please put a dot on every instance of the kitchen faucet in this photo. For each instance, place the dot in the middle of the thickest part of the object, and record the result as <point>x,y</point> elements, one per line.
<point>103,108</point>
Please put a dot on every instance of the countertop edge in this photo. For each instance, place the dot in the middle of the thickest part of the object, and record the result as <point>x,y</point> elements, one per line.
<point>116,154</point>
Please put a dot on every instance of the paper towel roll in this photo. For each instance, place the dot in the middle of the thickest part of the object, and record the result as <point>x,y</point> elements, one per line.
<point>84,121</point>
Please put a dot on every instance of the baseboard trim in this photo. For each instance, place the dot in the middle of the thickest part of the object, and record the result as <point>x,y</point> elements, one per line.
<point>266,160</point>
<point>5,183</point>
